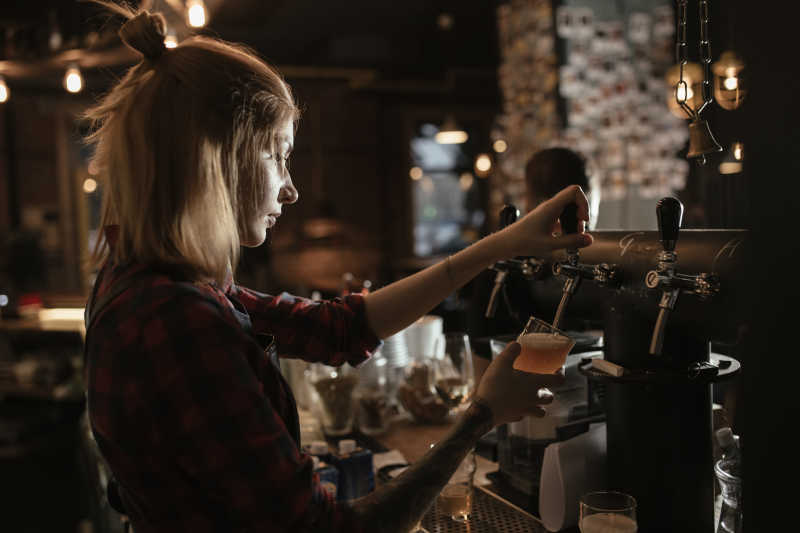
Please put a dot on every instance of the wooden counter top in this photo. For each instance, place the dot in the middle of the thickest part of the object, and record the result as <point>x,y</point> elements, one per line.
<point>411,439</point>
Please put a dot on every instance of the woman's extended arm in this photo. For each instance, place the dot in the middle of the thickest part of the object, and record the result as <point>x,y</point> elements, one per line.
<point>504,395</point>
<point>395,306</point>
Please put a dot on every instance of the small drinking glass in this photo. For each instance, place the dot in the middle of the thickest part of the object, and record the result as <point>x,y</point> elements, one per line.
<point>544,348</point>
<point>730,517</point>
<point>609,512</point>
<point>455,500</point>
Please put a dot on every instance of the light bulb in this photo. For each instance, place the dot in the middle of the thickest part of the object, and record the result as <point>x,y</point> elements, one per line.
<point>483,163</point>
<point>415,173</point>
<point>500,146</point>
<point>730,80</point>
<point>4,92</point>
<point>73,81</point>
<point>732,164</point>
<point>451,137</point>
<point>450,133</point>
<point>684,93</point>
<point>465,180</point>
<point>196,13</point>
<point>171,41</point>
<point>89,185</point>
<point>737,151</point>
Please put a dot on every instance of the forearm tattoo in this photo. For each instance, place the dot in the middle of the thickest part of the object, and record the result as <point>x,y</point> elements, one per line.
<point>397,505</point>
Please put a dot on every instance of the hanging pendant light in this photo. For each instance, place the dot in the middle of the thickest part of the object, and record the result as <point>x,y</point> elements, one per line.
<point>733,161</point>
<point>729,84</point>
<point>450,133</point>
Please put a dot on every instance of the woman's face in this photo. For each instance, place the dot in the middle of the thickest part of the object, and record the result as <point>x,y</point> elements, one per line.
<point>279,188</point>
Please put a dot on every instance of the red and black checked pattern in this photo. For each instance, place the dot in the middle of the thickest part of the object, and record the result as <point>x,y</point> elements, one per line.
<point>188,411</point>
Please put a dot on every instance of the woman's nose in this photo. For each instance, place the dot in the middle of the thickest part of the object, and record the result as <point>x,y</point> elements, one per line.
<point>289,194</point>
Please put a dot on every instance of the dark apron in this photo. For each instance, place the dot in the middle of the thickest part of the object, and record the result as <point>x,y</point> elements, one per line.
<point>267,343</point>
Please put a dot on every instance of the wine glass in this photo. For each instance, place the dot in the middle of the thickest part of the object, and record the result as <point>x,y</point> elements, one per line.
<point>454,378</point>
<point>607,511</point>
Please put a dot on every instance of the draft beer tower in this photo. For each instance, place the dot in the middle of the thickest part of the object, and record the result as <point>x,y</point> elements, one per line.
<point>661,298</point>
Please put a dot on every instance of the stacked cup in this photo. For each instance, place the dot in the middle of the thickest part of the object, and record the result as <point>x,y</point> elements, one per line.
<point>425,338</point>
<point>395,351</point>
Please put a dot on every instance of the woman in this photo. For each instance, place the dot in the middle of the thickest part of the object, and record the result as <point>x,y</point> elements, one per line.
<point>193,418</point>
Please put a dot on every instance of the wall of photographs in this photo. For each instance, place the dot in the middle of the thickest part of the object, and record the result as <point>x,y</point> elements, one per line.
<point>592,76</point>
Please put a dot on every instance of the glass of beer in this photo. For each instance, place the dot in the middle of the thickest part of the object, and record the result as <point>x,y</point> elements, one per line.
<point>607,512</point>
<point>544,348</point>
<point>455,500</point>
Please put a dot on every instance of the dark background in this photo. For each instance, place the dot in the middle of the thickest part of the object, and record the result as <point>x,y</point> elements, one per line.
<point>416,68</point>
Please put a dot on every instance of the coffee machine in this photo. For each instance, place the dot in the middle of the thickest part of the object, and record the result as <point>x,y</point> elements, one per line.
<point>661,299</point>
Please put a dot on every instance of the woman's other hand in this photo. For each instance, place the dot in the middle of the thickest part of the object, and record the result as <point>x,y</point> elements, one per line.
<point>512,394</point>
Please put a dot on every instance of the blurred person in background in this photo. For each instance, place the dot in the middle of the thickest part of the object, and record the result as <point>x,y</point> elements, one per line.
<point>547,172</point>
<point>185,398</point>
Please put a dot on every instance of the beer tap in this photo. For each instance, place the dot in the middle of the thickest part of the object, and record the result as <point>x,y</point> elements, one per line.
<point>529,267</point>
<point>603,274</point>
<point>669,214</point>
<point>508,215</point>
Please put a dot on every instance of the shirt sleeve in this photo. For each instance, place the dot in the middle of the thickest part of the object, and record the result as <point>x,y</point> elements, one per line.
<point>221,427</point>
<point>328,331</point>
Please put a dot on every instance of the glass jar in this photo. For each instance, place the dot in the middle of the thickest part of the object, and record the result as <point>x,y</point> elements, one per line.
<point>332,397</point>
<point>372,396</point>
<point>730,516</point>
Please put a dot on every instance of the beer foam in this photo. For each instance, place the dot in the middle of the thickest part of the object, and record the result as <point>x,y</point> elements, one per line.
<point>543,340</point>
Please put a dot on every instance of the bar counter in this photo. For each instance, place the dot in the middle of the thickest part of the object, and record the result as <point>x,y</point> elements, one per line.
<point>491,511</point>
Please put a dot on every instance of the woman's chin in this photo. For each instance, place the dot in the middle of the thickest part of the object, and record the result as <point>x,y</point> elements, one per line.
<point>255,237</point>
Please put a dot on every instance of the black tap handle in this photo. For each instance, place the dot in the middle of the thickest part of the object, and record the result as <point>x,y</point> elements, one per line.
<point>669,213</point>
<point>569,219</point>
<point>508,215</point>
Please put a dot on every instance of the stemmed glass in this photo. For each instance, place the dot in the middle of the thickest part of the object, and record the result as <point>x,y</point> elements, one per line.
<point>455,385</point>
<point>453,373</point>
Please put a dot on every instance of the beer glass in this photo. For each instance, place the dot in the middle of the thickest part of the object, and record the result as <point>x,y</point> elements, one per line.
<point>607,512</point>
<point>544,348</point>
<point>455,500</point>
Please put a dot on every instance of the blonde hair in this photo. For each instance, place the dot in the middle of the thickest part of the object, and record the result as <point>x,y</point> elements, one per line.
<point>177,146</point>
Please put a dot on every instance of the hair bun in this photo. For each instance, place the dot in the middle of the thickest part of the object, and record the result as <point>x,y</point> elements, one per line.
<point>145,33</point>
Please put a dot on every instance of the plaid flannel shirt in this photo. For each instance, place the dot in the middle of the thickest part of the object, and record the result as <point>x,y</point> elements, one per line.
<point>191,415</point>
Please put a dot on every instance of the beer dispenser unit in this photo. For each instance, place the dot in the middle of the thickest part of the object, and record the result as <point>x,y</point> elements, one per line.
<point>661,298</point>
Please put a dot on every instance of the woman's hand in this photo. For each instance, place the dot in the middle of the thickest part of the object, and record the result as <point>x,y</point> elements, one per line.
<point>533,234</point>
<point>512,394</point>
